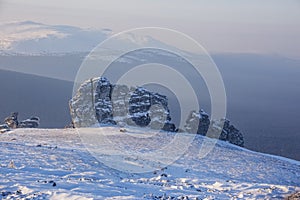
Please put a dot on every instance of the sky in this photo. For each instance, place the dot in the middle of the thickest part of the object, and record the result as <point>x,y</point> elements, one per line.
<point>221,26</point>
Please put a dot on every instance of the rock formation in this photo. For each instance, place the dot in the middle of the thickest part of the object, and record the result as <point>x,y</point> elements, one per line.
<point>82,105</point>
<point>32,122</point>
<point>99,102</point>
<point>229,132</point>
<point>197,122</point>
<point>200,121</point>
<point>12,122</point>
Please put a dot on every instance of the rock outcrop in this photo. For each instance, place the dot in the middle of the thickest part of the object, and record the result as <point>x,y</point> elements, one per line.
<point>103,102</point>
<point>82,105</point>
<point>197,122</point>
<point>229,132</point>
<point>32,122</point>
<point>200,121</point>
<point>99,101</point>
<point>12,122</point>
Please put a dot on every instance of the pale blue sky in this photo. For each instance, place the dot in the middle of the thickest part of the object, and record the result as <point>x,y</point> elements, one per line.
<point>255,26</point>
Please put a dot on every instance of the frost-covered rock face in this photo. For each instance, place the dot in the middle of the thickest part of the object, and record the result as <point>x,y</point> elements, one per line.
<point>82,108</point>
<point>197,122</point>
<point>230,133</point>
<point>148,108</point>
<point>200,121</point>
<point>103,103</point>
<point>99,101</point>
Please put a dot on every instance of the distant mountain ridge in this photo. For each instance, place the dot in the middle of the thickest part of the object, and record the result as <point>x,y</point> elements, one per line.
<point>32,38</point>
<point>27,37</point>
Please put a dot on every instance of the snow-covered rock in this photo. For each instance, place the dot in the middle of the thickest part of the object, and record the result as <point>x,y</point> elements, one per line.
<point>200,121</point>
<point>97,100</point>
<point>103,103</point>
<point>229,132</point>
<point>82,105</point>
<point>197,121</point>
<point>32,122</point>
<point>12,122</point>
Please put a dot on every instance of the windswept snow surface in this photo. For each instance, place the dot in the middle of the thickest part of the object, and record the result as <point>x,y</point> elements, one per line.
<point>54,164</point>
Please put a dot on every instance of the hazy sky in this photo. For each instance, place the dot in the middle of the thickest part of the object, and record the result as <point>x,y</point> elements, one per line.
<point>256,26</point>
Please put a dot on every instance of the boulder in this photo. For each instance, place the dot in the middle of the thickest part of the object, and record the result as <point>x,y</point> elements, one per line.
<point>12,122</point>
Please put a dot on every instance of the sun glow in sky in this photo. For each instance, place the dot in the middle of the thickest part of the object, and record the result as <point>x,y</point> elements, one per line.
<point>231,26</point>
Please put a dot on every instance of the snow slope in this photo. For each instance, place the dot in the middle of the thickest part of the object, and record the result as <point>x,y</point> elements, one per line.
<point>54,164</point>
